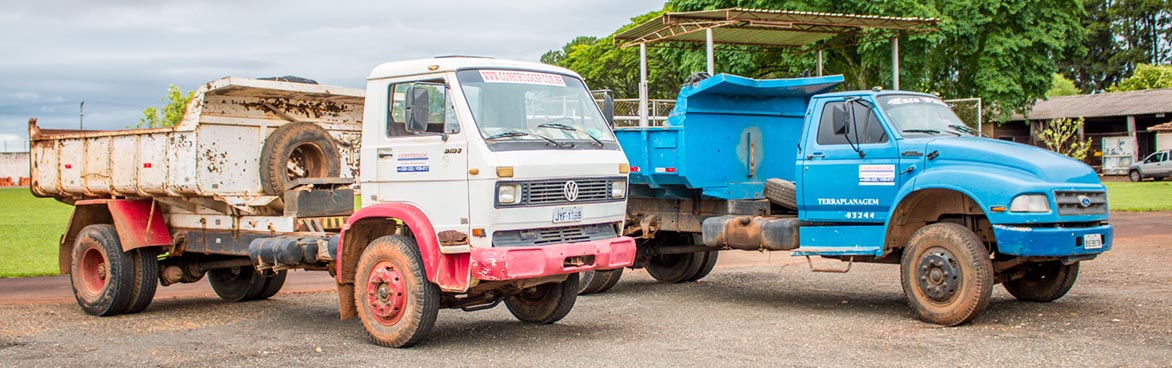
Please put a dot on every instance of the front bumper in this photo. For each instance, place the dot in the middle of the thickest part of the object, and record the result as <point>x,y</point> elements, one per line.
<point>513,263</point>
<point>1034,241</point>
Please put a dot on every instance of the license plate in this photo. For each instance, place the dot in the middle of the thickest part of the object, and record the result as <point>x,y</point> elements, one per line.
<point>567,214</point>
<point>1092,241</point>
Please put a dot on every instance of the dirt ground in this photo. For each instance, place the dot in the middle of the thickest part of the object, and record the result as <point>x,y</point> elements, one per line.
<point>753,310</point>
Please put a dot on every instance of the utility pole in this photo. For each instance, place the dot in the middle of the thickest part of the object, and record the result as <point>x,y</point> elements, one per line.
<point>81,118</point>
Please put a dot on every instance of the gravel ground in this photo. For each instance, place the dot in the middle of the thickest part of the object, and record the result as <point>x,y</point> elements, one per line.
<point>776,314</point>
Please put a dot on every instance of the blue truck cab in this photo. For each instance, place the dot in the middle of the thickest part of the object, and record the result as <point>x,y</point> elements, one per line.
<point>860,176</point>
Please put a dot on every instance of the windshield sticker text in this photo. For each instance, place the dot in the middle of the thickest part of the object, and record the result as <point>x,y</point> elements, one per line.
<point>877,175</point>
<point>502,76</point>
<point>914,100</point>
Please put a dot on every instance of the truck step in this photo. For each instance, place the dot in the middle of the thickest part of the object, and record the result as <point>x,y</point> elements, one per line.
<point>835,251</point>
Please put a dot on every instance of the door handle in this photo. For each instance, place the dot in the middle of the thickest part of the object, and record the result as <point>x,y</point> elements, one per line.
<point>385,154</point>
<point>816,155</point>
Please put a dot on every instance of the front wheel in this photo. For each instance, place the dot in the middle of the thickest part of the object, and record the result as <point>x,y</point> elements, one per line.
<point>396,303</point>
<point>1043,282</point>
<point>545,303</point>
<point>946,274</point>
<point>1135,176</point>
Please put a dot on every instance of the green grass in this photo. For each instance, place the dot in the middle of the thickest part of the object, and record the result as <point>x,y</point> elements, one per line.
<point>1140,197</point>
<point>29,230</point>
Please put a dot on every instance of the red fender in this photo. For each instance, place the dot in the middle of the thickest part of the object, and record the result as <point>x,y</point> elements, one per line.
<point>138,224</point>
<point>450,272</point>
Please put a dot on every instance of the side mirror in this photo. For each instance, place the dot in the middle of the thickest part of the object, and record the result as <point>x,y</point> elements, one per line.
<point>608,109</point>
<point>839,118</point>
<point>417,109</point>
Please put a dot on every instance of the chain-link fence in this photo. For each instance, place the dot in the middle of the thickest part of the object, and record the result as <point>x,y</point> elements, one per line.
<point>968,110</point>
<point>626,111</point>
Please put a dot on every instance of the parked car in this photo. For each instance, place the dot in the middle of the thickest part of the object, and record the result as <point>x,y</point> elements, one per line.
<point>1156,165</point>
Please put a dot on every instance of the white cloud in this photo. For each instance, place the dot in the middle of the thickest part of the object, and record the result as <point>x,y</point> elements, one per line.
<point>119,56</point>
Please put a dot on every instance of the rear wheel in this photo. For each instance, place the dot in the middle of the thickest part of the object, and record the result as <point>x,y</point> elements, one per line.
<point>146,278</point>
<point>598,281</point>
<point>612,278</point>
<point>396,303</point>
<point>102,275</point>
<point>946,274</point>
<point>673,268</point>
<point>706,266</point>
<point>236,284</point>
<point>1135,176</point>
<point>1043,282</point>
<point>545,303</point>
<point>273,283</point>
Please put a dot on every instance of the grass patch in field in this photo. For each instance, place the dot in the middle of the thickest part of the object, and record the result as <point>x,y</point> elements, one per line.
<point>29,230</point>
<point>1139,197</point>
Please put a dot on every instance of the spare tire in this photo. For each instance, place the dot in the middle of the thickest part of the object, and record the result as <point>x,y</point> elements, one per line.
<point>295,151</point>
<point>781,193</point>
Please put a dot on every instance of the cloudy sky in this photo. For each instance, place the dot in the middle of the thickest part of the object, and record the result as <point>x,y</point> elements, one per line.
<point>119,56</point>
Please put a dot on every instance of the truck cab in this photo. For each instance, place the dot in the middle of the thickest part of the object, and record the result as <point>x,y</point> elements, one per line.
<point>860,176</point>
<point>504,176</point>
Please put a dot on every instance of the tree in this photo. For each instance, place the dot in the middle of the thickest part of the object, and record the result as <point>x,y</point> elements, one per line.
<point>1061,87</point>
<point>1061,135</point>
<point>171,113</point>
<point>1145,29</point>
<point>1145,77</point>
<point>1004,51</point>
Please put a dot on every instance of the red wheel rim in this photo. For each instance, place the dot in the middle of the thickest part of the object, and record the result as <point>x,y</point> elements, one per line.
<point>93,271</point>
<point>386,293</point>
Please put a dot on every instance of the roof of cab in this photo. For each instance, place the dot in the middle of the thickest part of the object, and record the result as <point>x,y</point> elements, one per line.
<point>877,93</point>
<point>448,64</point>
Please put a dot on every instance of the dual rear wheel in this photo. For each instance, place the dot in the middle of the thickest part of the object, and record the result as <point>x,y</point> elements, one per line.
<point>106,280</point>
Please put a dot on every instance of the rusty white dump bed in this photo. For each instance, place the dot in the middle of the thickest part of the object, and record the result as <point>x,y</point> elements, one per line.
<point>214,152</point>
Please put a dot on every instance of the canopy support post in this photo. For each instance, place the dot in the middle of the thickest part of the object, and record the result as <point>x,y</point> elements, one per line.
<point>643,85</point>
<point>709,49</point>
<point>819,63</point>
<point>895,63</point>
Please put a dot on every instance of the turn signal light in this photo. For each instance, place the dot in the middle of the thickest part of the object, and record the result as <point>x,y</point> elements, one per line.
<point>504,172</point>
<point>624,168</point>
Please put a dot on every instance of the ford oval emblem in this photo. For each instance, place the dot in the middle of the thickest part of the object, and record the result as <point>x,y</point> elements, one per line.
<point>570,190</point>
<point>1084,201</point>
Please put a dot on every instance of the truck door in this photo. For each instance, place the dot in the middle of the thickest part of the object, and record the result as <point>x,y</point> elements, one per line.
<point>849,174</point>
<point>428,167</point>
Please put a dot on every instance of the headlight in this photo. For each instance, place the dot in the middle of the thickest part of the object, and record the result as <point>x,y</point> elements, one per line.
<point>508,194</point>
<point>618,188</point>
<point>1030,203</point>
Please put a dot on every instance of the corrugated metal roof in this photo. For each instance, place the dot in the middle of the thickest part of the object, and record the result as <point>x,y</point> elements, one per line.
<point>1152,101</point>
<point>779,28</point>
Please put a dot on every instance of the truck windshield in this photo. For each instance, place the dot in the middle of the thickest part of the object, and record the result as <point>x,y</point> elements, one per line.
<point>922,116</point>
<point>533,107</point>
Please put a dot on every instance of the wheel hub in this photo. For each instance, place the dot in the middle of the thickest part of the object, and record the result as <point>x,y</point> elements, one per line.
<point>94,271</point>
<point>938,275</point>
<point>385,293</point>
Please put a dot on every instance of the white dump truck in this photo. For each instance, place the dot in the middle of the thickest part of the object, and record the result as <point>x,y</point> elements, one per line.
<point>481,181</point>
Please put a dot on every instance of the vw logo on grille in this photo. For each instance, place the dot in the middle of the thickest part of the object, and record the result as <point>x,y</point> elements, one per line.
<point>570,190</point>
<point>1084,201</point>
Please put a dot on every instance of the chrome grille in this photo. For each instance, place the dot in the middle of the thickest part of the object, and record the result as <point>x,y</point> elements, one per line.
<point>553,191</point>
<point>553,235</point>
<point>1070,203</point>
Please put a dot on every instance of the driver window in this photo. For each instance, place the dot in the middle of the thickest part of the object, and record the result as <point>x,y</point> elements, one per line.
<point>442,116</point>
<point>870,130</point>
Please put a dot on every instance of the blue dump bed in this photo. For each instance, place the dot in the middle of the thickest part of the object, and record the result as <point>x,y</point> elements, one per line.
<point>725,137</point>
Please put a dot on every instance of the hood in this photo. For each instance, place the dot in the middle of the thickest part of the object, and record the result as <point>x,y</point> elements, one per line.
<point>1044,164</point>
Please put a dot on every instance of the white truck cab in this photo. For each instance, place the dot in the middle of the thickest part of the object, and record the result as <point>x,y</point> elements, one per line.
<point>502,178</point>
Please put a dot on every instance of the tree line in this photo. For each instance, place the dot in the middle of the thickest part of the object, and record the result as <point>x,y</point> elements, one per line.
<point>1008,52</point>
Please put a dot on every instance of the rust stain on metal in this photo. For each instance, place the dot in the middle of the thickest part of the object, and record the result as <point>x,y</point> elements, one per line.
<point>452,237</point>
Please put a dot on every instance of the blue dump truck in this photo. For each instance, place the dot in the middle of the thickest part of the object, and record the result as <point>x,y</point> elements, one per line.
<point>862,176</point>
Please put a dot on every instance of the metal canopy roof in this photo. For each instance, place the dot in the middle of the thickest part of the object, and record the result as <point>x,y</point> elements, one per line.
<point>756,27</point>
